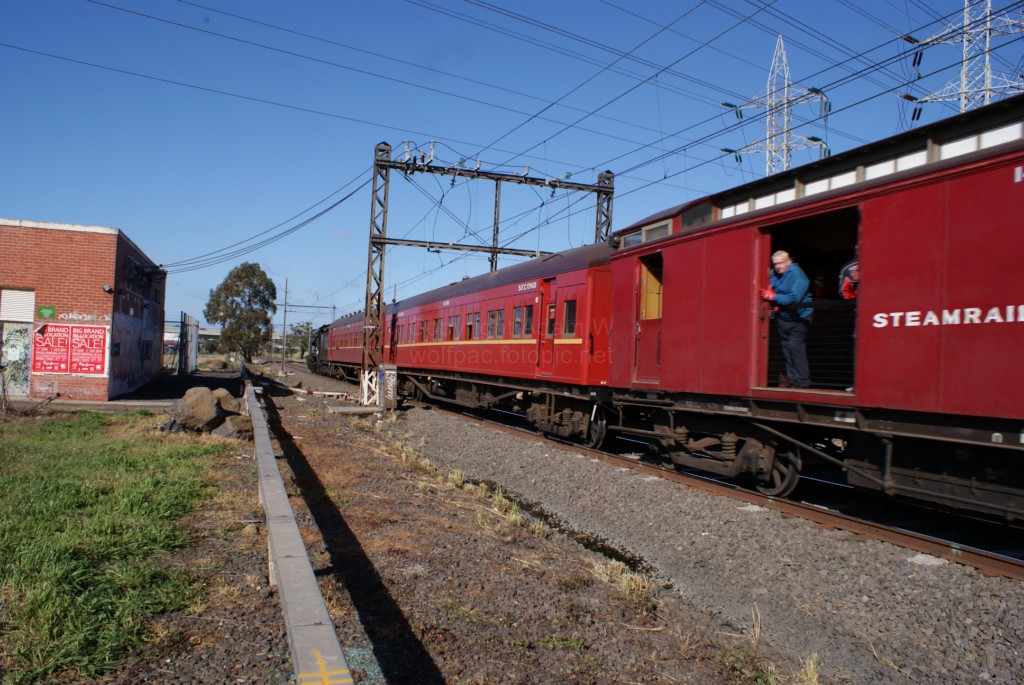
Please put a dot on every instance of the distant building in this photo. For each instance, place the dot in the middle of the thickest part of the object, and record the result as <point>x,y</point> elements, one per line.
<point>81,311</point>
<point>208,337</point>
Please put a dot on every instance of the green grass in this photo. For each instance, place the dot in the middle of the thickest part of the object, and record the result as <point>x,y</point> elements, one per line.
<point>89,504</point>
<point>553,642</point>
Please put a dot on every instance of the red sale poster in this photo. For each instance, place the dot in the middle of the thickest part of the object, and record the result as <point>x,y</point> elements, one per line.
<point>70,349</point>
<point>51,349</point>
<point>89,349</point>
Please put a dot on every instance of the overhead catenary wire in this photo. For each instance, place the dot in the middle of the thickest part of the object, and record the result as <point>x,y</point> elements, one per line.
<point>416,65</point>
<point>633,88</point>
<point>216,91</point>
<point>228,256</point>
<point>213,255</point>
<point>590,78</point>
<point>548,46</point>
<point>318,60</point>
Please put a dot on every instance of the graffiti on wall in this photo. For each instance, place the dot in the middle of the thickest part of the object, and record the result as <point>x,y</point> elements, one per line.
<point>15,356</point>
<point>78,316</point>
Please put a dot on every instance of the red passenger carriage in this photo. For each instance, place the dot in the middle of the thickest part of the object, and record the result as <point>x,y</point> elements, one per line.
<point>533,336</point>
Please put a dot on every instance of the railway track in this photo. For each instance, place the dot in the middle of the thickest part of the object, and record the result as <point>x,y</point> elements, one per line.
<point>984,561</point>
<point>822,511</point>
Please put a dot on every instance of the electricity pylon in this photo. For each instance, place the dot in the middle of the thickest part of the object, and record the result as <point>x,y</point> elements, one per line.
<point>976,84</point>
<point>777,101</point>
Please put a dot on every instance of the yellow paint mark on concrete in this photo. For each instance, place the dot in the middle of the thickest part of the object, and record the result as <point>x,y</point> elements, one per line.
<point>340,676</point>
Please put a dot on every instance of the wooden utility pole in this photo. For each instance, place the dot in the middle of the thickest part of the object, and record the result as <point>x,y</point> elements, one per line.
<point>284,327</point>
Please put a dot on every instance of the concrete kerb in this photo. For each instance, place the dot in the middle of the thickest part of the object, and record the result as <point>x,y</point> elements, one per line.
<point>315,652</point>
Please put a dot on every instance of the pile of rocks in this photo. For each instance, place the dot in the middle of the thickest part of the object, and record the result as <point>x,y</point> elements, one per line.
<point>210,411</point>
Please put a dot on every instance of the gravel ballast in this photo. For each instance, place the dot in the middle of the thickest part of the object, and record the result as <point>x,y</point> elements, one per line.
<point>872,612</point>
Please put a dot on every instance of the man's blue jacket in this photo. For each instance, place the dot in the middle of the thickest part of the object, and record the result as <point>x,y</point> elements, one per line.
<point>791,287</point>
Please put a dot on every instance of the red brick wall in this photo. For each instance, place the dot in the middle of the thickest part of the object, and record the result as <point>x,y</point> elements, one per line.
<point>67,269</point>
<point>138,323</point>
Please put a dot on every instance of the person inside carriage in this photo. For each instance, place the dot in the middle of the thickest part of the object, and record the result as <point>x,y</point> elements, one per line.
<point>789,285</point>
<point>849,279</point>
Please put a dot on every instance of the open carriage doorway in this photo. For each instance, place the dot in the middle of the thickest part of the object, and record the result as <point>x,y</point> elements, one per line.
<point>821,245</point>
<point>647,343</point>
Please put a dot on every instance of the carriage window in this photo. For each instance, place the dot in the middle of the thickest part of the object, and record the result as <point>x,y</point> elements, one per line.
<point>569,319</point>
<point>458,324</point>
<point>437,329</point>
<point>517,322</point>
<point>476,326</point>
<point>650,287</point>
<point>550,329</point>
<point>490,323</point>
<point>698,216</point>
<point>647,234</point>
<point>632,239</point>
<point>656,231</point>
<point>501,323</point>
<point>528,323</point>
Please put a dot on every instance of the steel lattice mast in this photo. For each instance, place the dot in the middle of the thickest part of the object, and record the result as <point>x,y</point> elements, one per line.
<point>778,133</point>
<point>777,101</point>
<point>373,316</point>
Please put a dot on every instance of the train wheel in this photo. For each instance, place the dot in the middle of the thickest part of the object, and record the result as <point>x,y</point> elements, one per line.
<point>597,430</point>
<point>784,476</point>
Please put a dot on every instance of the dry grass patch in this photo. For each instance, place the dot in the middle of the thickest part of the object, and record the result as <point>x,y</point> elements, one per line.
<point>634,589</point>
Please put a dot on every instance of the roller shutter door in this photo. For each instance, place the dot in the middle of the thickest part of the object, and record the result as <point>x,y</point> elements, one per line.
<point>17,305</point>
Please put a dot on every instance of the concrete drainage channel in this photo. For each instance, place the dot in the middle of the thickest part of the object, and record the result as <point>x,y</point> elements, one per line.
<point>315,652</point>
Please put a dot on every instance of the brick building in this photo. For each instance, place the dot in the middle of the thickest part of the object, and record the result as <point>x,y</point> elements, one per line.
<point>81,311</point>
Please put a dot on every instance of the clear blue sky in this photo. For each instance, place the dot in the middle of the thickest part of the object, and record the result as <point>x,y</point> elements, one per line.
<point>196,126</point>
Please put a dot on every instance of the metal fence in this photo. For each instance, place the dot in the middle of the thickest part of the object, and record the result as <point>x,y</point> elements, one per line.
<point>181,356</point>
